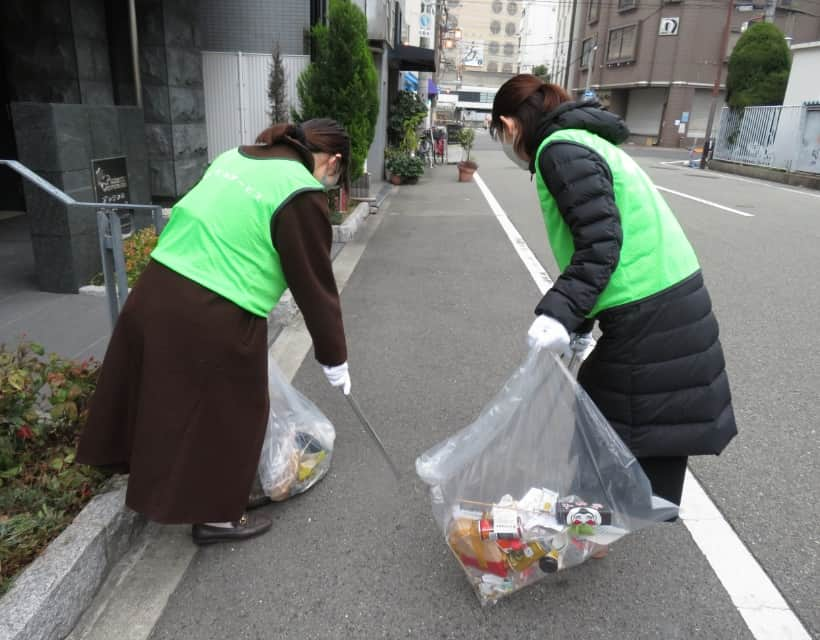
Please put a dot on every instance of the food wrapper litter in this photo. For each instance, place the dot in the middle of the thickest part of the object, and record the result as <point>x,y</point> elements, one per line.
<point>298,442</point>
<point>536,483</point>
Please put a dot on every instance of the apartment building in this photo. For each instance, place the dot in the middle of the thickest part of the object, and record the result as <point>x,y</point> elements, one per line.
<point>655,61</point>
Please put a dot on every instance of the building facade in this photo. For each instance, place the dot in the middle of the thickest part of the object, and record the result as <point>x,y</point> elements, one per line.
<point>656,64</point>
<point>537,33</point>
<point>489,37</point>
<point>72,95</point>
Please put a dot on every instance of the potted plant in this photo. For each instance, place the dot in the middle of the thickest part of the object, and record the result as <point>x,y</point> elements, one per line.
<point>466,168</point>
<point>405,167</point>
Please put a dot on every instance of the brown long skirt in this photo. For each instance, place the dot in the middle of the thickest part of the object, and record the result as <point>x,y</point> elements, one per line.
<point>182,401</point>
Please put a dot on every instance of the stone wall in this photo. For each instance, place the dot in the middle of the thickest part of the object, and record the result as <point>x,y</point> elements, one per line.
<point>173,95</point>
<point>58,141</point>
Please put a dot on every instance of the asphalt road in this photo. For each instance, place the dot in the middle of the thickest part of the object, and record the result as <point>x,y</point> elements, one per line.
<point>762,273</point>
<point>436,314</point>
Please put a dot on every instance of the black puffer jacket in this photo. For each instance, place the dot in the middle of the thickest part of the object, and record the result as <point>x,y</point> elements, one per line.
<point>581,183</point>
<point>658,373</point>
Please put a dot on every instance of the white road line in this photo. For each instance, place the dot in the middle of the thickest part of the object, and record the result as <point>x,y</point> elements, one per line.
<point>537,271</point>
<point>752,592</point>
<point>709,202</point>
<point>684,162</point>
<point>757,599</point>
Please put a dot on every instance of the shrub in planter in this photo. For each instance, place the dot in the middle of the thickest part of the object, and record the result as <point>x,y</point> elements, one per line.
<point>408,167</point>
<point>43,402</point>
<point>137,249</point>
<point>467,167</point>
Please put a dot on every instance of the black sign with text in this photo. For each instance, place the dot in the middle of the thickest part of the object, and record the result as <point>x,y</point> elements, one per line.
<point>110,180</point>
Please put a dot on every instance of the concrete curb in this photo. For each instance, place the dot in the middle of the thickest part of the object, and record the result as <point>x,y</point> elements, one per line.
<point>49,597</point>
<point>97,291</point>
<point>345,232</point>
<point>796,179</point>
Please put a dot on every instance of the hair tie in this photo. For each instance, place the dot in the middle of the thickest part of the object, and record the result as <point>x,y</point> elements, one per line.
<point>296,132</point>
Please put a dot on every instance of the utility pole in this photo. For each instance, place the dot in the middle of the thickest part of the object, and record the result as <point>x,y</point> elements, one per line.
<point>724,44</point>
<point>569,48</point>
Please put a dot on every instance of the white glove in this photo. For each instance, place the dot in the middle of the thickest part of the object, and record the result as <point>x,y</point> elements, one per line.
<point>580,345</point>
<point>547,333</point>
<point>338,376</point>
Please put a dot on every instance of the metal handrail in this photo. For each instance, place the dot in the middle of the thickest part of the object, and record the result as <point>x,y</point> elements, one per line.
<point>109,230</point>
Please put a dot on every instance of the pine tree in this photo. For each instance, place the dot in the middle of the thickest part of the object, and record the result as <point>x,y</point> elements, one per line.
<point>278,110</point>
<point>758,68</point>
<point>341,81</point>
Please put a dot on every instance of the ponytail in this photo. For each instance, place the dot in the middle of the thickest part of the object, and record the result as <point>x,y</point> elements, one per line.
<point>320,135</point>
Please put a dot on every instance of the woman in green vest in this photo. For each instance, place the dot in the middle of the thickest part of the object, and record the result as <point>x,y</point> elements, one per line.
<point>657,372</point>
<point>182,398</point>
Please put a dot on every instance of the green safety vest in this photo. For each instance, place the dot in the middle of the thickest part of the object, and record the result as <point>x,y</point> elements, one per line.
<point>655,254</point>
<point>219,234</point>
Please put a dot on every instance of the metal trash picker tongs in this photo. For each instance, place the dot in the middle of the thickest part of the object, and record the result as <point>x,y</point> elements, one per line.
<point>373,435</point>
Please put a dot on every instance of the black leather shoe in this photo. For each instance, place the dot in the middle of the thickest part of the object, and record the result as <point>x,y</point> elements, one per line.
<point>248,526</point>
<point>256,501</point>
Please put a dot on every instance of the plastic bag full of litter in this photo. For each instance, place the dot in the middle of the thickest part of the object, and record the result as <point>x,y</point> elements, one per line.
<point>536,483</point>
<point>298,442</point>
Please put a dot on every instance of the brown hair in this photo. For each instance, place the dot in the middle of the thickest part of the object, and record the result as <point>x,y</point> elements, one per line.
<point>525,98</point>
<point>320,135</point>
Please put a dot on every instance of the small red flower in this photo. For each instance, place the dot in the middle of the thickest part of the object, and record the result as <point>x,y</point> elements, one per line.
<point>25,432</point>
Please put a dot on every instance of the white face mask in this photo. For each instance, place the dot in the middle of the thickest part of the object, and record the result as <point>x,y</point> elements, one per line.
<point>509,151</point>
<point>327,180</point>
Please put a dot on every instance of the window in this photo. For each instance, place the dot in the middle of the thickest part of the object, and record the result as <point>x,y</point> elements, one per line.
<point>509,49</point>
<point>510,29</point>
<point>627,5</point>
<point>507,68</point>
<point>495,27</point>
<point>594,11</point>
<point>497,6</point>
<point>586,51</point>
<point>494,48</point>
<point>492,67</point>
<point>512,8</point>
<point>622,43</point>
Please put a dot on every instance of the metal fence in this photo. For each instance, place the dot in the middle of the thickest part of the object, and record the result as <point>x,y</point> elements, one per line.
<point>109,231</point>
<point>786,137</point>
<point>236,95</point>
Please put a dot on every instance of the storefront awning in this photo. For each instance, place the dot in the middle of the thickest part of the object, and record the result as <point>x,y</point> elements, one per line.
<point>407,58</point>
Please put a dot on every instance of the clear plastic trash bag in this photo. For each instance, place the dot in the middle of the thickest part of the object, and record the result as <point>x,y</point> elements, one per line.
<point>535,483</point>
<point>298,441</point>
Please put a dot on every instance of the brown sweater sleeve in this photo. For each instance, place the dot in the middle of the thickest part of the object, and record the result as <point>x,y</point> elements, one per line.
<point>302,236</point>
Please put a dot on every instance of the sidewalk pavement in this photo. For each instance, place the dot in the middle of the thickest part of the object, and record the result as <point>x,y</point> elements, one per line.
<point>436,315</point>
<point>74,326</point>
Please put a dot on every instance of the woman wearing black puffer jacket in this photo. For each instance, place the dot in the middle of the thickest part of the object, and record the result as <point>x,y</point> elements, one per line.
<point>657,372</point>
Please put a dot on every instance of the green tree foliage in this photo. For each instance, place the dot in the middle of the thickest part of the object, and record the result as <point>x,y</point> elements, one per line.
<point>278,108</point>
<point>341,81</point>
<point>541,71</point>
<point>758,68</point>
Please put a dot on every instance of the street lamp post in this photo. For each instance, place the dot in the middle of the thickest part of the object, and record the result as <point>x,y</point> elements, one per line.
<point>590,68</point>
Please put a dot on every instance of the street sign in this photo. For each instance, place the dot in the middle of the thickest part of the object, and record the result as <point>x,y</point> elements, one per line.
<point>669,27</point>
